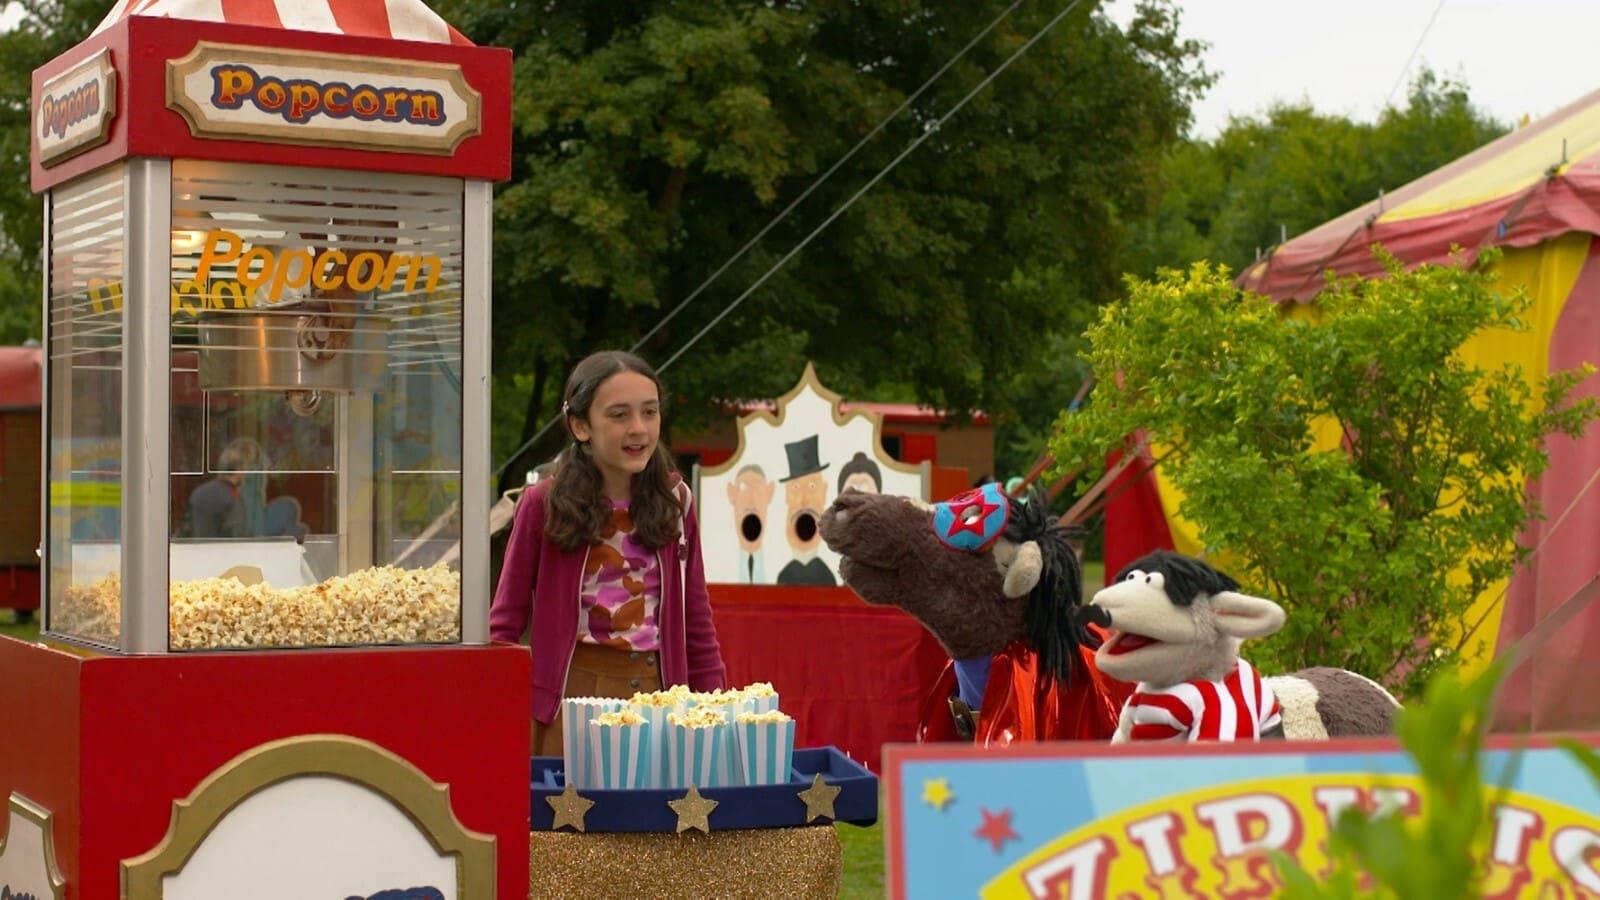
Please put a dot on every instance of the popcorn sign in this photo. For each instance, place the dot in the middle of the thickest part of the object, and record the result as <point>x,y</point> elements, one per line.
<point>299,100</point>
<point>234,275</point>
<point>236,92</point>
<point>73,112</point>
<point>331,269</point>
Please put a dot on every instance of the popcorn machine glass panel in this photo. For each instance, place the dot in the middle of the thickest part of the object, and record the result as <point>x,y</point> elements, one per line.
<point>316,407</point>
<point>85,375</point>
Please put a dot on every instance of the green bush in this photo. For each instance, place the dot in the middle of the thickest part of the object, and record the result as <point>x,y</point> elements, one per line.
<point>1376,541</point>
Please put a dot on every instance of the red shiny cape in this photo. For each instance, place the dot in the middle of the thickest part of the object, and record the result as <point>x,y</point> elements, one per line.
<point>1021,704</point>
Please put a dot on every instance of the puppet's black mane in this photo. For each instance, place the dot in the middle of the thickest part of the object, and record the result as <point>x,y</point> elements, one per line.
<point>1187,578</point>
<point>1052,628</point>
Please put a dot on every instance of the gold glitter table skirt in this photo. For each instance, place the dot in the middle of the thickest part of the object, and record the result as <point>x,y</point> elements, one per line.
<point>755,862</point>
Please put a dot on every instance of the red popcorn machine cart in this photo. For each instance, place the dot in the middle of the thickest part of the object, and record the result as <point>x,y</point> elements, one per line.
<point>264,667</point>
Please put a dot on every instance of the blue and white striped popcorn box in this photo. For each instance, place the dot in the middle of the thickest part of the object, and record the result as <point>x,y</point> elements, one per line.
<point>759,701</point>
<point>618,755</point>
<point>656,752</point>
<point>766,751</point>
<point>575,715</point>
<point>701,757</point>
<point>728,706</point>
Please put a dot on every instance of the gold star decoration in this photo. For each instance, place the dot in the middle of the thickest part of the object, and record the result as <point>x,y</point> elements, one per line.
<point>819,799</point>
<point>569,808</point>
<point>936,793</point>
<point>694,811</point>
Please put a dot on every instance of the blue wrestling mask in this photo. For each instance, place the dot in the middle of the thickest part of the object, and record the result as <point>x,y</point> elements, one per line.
<point>973,521</point>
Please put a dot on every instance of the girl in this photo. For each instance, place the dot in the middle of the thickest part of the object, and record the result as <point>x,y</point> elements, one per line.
<point>604,556</point>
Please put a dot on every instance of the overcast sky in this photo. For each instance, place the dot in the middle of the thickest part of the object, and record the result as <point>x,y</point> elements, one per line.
<point>1517,57</point>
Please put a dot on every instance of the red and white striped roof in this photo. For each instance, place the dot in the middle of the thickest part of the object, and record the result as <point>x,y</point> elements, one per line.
<point>408,20</point>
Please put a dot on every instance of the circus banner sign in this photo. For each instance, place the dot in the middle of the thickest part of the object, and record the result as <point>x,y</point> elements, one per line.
<point>304,97</point>
<point>1087,822</point>
<point>74,110</point>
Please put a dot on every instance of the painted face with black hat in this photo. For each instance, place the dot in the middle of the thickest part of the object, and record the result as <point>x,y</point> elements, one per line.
<point>806,493</point>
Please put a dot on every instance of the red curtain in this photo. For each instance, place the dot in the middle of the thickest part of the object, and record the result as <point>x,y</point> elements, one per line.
<point>851,675</point>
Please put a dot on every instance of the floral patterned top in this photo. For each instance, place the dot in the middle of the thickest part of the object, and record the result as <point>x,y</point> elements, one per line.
<point>621,589</point>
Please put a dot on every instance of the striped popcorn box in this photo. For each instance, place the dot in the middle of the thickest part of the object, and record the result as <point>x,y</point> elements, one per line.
<point>729,703</point>
<point>654,709</point>
<point>618,751</point>
<point>700,755</point>
<point>575,715</point>
<point>766,747</point>
<point>760,697</point>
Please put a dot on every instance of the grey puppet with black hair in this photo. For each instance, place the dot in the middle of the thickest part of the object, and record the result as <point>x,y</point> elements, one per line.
<point>1176,625</point>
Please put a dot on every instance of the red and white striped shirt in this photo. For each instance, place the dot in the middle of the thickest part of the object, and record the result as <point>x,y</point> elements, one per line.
<point>1238,708</point>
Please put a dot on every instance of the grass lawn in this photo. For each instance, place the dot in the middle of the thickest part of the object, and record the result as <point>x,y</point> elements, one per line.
<point>863,847</point>
<point>26,631</point>
<point>863,860</point>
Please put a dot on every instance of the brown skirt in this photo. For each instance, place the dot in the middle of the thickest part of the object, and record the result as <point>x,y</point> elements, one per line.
<point>598,671</point>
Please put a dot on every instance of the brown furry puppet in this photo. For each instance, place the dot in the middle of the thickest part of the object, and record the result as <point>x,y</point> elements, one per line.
<point>995,581</point>
<point>1176,625</point>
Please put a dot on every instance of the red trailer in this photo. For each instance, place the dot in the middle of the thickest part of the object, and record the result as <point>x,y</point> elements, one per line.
<point>20,397</point>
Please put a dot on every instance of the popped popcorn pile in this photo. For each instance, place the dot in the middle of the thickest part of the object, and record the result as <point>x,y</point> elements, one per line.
<point>698,718</point>
<point>775,717</point>
<point>382,605</point>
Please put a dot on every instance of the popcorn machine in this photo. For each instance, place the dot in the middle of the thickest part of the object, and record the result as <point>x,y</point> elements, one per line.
<point>266,302</point>
<point>279,353</point>
<point>295,390</point>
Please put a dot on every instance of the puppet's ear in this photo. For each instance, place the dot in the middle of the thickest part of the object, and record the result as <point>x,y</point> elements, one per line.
<point>1243,616</point>
<point>1023,573</point>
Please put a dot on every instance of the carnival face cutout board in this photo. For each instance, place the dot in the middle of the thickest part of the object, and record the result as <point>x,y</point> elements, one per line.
<point>760,510</point>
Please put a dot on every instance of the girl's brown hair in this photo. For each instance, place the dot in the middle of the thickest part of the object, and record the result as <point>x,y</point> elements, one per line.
<point>577,509</point>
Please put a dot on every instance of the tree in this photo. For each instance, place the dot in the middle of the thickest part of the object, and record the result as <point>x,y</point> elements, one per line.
<point>654,138</point>
<point>47,27</point>
<point>1350,464</point>
<point>1228,198</point>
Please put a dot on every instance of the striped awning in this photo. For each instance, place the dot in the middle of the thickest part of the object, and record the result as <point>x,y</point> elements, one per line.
<point>409,20</point>
<point>1538,182</point>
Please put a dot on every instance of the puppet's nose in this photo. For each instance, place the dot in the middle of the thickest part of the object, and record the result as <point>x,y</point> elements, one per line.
<point>1097,615</point>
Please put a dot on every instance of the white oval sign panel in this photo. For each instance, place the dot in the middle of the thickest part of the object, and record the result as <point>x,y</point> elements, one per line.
<point>319,816</point>
<point>327,99</point>
<point>315,836</point>
<point>74,110</point>
<point>27,855</point>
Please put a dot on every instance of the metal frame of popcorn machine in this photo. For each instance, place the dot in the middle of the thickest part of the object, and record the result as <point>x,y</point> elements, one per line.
<point>267,251</point>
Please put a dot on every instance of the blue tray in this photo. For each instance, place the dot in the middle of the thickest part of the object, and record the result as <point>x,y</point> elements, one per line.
<point>751,806</point>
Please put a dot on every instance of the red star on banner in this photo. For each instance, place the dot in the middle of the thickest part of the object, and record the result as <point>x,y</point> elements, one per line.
<point>996,828</point>
<point>974,525</point>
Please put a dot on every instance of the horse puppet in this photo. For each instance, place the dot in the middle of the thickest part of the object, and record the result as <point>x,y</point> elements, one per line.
<point>994,579</point>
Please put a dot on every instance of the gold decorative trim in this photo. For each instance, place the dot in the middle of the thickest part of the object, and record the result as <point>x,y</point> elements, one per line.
<point>60,153</point>
<point>41,817</point>
<point>202,126</point>
<point>361,762</point>
<point>809,377</point>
